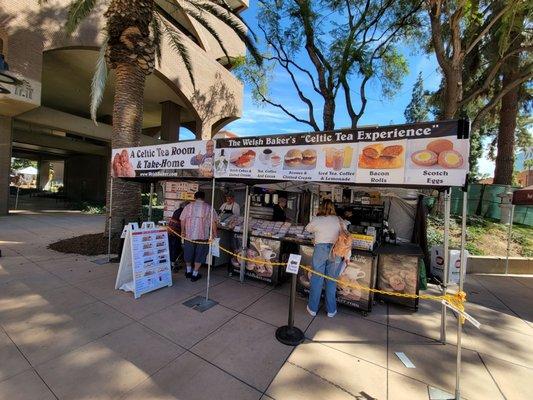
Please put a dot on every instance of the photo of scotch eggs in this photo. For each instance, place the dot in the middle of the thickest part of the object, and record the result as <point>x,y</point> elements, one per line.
<point>437,153</point>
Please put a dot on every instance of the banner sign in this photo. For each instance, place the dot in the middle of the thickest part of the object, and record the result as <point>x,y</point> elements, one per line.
<point>181,159</point>
<point>433,154</point>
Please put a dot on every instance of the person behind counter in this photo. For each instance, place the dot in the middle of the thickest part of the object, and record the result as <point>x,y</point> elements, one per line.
<point>174,241</point>
<point>280,211</point>
<point>196,224</point>
<point>230,206</point>
<point>326,227</point>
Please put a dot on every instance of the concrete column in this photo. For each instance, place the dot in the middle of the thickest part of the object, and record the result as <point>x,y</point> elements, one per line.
<point>170,121</point>
<point>6,140</point>
<point>43,174</point>
<point>204,130</point>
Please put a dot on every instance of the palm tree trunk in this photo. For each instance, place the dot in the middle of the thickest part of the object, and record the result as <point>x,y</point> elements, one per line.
<point>127,124</point>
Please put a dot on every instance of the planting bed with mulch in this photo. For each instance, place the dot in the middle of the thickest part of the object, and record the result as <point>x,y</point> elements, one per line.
<point>87,245</point>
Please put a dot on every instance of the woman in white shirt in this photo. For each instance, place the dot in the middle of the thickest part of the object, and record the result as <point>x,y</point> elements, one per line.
<point>326,227</point>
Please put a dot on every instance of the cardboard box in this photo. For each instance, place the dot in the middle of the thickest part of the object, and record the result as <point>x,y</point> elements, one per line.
<point>454,266</point>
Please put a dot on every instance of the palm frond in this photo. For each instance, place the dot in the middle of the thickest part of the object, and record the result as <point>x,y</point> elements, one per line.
<point>77,12</point>
<point>177,41</point>
<point>229,19</point>
<point>225,5</point>
<point>205,23</point>
<point>157,37</point>
<point>99,81</point>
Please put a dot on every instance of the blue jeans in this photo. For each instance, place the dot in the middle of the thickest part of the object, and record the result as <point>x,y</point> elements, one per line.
<point>324,263</point>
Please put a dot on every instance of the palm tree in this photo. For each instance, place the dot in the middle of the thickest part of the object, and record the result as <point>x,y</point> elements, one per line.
<point>133,34</point>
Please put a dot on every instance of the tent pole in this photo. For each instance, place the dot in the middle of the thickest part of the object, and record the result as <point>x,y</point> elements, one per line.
<point>17,198</point>
<point>150,201</point>
<point>109,220</point>
<point>509,235</point>
<point>245,232</point>
<point>462,273</point>
<point>447,195</point>
<point>210,256</point>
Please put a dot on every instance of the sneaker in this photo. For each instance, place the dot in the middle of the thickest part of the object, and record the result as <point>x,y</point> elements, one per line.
<point>194,278</point>
<point>332,314</point>
<point>188,275</point>
<point>312,313</point>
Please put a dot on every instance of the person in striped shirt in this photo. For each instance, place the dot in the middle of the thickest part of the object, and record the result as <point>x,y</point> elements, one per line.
<point>198,219</point>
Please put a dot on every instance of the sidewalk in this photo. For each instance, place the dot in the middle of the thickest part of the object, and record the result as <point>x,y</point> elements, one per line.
<point>67,334</point>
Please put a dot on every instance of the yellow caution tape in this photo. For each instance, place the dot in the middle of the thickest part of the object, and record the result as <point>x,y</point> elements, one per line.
<point>457,300</point>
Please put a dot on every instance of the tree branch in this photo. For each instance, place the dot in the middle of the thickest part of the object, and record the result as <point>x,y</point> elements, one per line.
<point>496,99</point>
<point>312,124</point>
<point>486,29</point>
<point>488,78</point>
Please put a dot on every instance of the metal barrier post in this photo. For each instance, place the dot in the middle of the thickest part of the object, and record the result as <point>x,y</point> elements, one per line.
<point>150,201</point>
<point>462,273</point>
<point>447,195</point>
<point>110,219</point>
<point>245,233</point>
<point>509,235</point>
<point>289,334</point>
<point>210,257</point>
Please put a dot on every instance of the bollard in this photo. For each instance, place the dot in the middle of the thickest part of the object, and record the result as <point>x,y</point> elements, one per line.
<point>289,334</point>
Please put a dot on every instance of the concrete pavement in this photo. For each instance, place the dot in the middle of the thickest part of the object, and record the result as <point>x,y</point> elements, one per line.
<point>67,334</point>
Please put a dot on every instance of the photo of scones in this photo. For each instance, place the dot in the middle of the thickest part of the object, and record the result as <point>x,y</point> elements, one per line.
<point>437,153</point>
<point>378,156</point>
<point>297,159</point>
<point>293,158</point>
<point>309,157</point>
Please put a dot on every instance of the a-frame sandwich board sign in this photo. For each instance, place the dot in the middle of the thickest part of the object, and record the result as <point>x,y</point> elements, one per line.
<point>145,262</point>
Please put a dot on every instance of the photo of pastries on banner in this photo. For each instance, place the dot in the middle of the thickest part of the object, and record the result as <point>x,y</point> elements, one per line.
<point>242,158</point>
<point>382,155</point>
<point>337,158</point>
<point>300,159</point>
<point>398,273</point>
<point>437,153</point>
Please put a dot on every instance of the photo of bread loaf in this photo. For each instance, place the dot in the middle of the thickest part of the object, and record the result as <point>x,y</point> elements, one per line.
<point>378,156</point>
<point>437,153</point>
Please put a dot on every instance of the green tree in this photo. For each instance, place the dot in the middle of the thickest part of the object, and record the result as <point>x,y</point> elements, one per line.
<point>19,163</point>
<point>333,49</point>
<point>133,35</point>
<point>418,108</point>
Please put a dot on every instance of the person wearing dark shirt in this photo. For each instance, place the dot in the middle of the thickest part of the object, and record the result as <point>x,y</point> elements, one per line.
<point>280,210</point>
<point>174,241</point>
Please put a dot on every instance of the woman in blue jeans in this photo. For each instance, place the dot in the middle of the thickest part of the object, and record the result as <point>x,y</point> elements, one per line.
<point>326,227</point>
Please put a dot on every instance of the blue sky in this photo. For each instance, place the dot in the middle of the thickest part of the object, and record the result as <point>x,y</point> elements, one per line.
<point>266,119</point>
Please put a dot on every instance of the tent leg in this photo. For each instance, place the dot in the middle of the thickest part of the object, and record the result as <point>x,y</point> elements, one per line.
<point>462,273</point>
<point>150,201</point>
<point>109,213</point>
<point>210,256</point>
<point>509,235</point>
<point>447,195</point>
<point>245,232</point>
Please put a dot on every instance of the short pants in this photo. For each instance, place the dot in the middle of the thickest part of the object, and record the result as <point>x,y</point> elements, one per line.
<point>195,252</point>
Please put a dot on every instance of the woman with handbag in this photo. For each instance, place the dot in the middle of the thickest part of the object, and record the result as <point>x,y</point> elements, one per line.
<point>330,251</point>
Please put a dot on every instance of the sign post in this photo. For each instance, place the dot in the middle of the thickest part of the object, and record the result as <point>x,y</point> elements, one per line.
<point>289,334</point>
